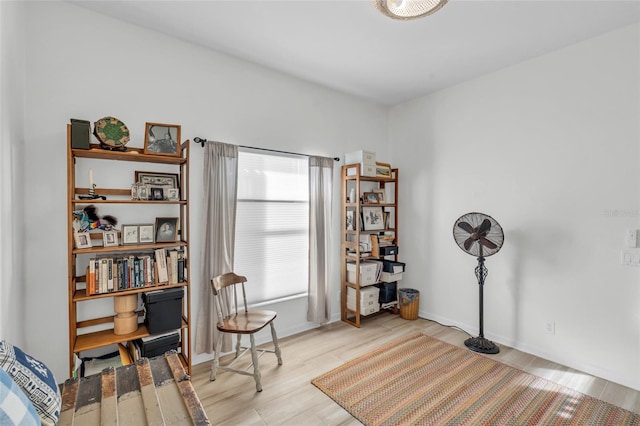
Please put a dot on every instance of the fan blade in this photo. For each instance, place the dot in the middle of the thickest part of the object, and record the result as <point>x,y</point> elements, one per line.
<point>467,243</point>
<point>466,227</point>
<point>487,243</point>
<point>484,227</point>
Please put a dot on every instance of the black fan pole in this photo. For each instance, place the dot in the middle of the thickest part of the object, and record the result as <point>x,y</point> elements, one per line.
<point>480,343</point>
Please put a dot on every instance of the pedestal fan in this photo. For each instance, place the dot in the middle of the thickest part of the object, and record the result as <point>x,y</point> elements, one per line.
<point>479,235</point>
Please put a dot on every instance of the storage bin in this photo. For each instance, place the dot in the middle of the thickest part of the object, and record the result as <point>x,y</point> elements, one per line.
<point>388,277</point>
<point>409,301</point>
<point>361,156</point>
<point>393,267</point>
<point>388,250</point>
<point>151,346</point>
<point>368,272</point>
<point>163,309</point>
<point>388,292</point>
<point>368,300</point>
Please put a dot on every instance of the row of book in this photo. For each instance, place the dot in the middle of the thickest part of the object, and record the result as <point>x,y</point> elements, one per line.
<point>107,274</point>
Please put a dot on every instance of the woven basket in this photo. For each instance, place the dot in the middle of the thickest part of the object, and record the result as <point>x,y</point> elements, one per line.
<point>409,299</point>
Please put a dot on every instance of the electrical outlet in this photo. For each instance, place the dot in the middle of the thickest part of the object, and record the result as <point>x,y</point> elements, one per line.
<point>550,327</point>
<point>631,238</point>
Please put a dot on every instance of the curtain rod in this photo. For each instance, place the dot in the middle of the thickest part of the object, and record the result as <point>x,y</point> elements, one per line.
<point>202,141</point>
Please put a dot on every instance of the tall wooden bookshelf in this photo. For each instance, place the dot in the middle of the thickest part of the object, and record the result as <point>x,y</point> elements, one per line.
<point>352,230</point>
<point>82,332</point>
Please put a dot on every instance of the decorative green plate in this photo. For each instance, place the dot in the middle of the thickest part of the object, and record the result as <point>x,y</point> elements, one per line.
<point>112,133</point>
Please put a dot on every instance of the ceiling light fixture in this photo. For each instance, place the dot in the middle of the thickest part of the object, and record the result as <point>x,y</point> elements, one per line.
<point>409,9</point>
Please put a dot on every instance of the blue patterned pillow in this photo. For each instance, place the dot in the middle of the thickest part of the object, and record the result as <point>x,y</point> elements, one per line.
<point>15,407</point>
<point>35,380</point>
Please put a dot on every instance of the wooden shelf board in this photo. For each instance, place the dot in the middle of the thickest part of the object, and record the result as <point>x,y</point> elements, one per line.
<point>80,295</point>
<point>131,154</point>
<point>128,248</point>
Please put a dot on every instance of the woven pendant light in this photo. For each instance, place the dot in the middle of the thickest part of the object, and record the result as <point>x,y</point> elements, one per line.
<point>409,9</point>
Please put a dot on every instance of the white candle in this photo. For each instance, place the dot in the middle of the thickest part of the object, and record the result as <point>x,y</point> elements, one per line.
<point>90,178</point>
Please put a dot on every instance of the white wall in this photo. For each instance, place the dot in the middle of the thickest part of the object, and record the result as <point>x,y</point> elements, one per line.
<point>550,149</point>
<point>12,289</point>
<point>84,65</point>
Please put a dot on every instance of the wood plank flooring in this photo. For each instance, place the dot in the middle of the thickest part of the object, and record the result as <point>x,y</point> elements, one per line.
<point>289,398</point>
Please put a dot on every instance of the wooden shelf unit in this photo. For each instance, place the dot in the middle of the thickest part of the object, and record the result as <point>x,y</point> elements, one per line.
<point>350,240</point>
<point>77,293</point>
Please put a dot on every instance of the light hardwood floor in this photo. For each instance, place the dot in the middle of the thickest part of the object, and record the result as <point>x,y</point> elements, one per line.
<point>289,398</point>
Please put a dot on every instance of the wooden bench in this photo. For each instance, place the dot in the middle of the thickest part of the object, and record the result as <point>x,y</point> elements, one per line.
<point>154,391</point>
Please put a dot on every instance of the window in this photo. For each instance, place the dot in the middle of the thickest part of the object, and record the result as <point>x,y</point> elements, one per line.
<point>272,225</point>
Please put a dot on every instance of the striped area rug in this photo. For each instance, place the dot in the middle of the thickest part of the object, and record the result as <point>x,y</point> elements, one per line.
<point>420,380</point>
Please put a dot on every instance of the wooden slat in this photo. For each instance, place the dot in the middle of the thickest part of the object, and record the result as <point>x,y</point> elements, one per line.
<point>191,400</point>
<point>88,401</point>
<point>69,392</point>
<point>109,404</point>
<point>150,400</point>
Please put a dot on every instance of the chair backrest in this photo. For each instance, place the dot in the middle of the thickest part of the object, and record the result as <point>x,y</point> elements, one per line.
<point>228,281</point>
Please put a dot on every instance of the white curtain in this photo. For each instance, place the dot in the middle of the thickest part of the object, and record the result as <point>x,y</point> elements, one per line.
<point>320,196</point>
<point>218,229</point>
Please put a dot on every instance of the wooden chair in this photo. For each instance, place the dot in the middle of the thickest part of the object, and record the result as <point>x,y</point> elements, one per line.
<point>240,322</point>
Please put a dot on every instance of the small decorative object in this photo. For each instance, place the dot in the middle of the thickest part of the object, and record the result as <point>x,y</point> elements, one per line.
<point>110,239</point>
<point>112,133</point>
<point>383,170</point>
<point>126,319</point>
<point>80,130</point>
<point>92,190</point>
<point>371,197</point>
<point>352,195</point>
<point>82,239</point>
<point>130,234</point>
<point>146,233</point>
<point>166,229</point>
<point>162,139</point>
<point>87,219</point>
<point>372,218</point>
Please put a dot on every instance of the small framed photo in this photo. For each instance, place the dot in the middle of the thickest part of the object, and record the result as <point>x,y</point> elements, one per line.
<point>351,220</point>
<point>146,233</point>
<point>166,229</point>
<point>372,218</point>
<point>381,197</point>
<point>173,194</point>
<point>83,240</point>
<point>134,191</point>
<point>383,170</point>
<point>130,234</point>
<point>143,192</point>
<point>162,139</point>
<point>157,193</point>
<point>110,239</point>
<point>371,197</point>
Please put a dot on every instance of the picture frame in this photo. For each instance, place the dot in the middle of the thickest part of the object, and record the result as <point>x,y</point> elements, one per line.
<point>143,192</point>
<point>383,170</point>
<point>130,234</point>
<point>82,240</point>
<point>134,191</point>
<point>166,229</point>
<point>110,239</point>
<point>156,193</point>
<point>371,197</point>
<point>350,220</point>
<point>173,194</point>
<point>372,218</point>
<point>157,179</point>
<point>381,196</point>
<point>162,139</point>
<point>146,233</point>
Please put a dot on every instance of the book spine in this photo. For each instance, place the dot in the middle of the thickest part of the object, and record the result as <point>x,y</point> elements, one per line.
<point>91,283</point>
<point>104,275</point>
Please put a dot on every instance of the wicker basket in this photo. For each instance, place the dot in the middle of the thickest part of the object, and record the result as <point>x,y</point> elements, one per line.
<point>409,300</point>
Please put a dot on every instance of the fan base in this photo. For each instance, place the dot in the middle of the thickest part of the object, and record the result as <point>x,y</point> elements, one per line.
<point>482,345</point>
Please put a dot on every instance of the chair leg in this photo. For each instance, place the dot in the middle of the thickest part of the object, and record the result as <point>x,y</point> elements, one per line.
<point>216,358</point>
<point>238,344</point>
<point>254,359</point>
<point>274,337</point>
